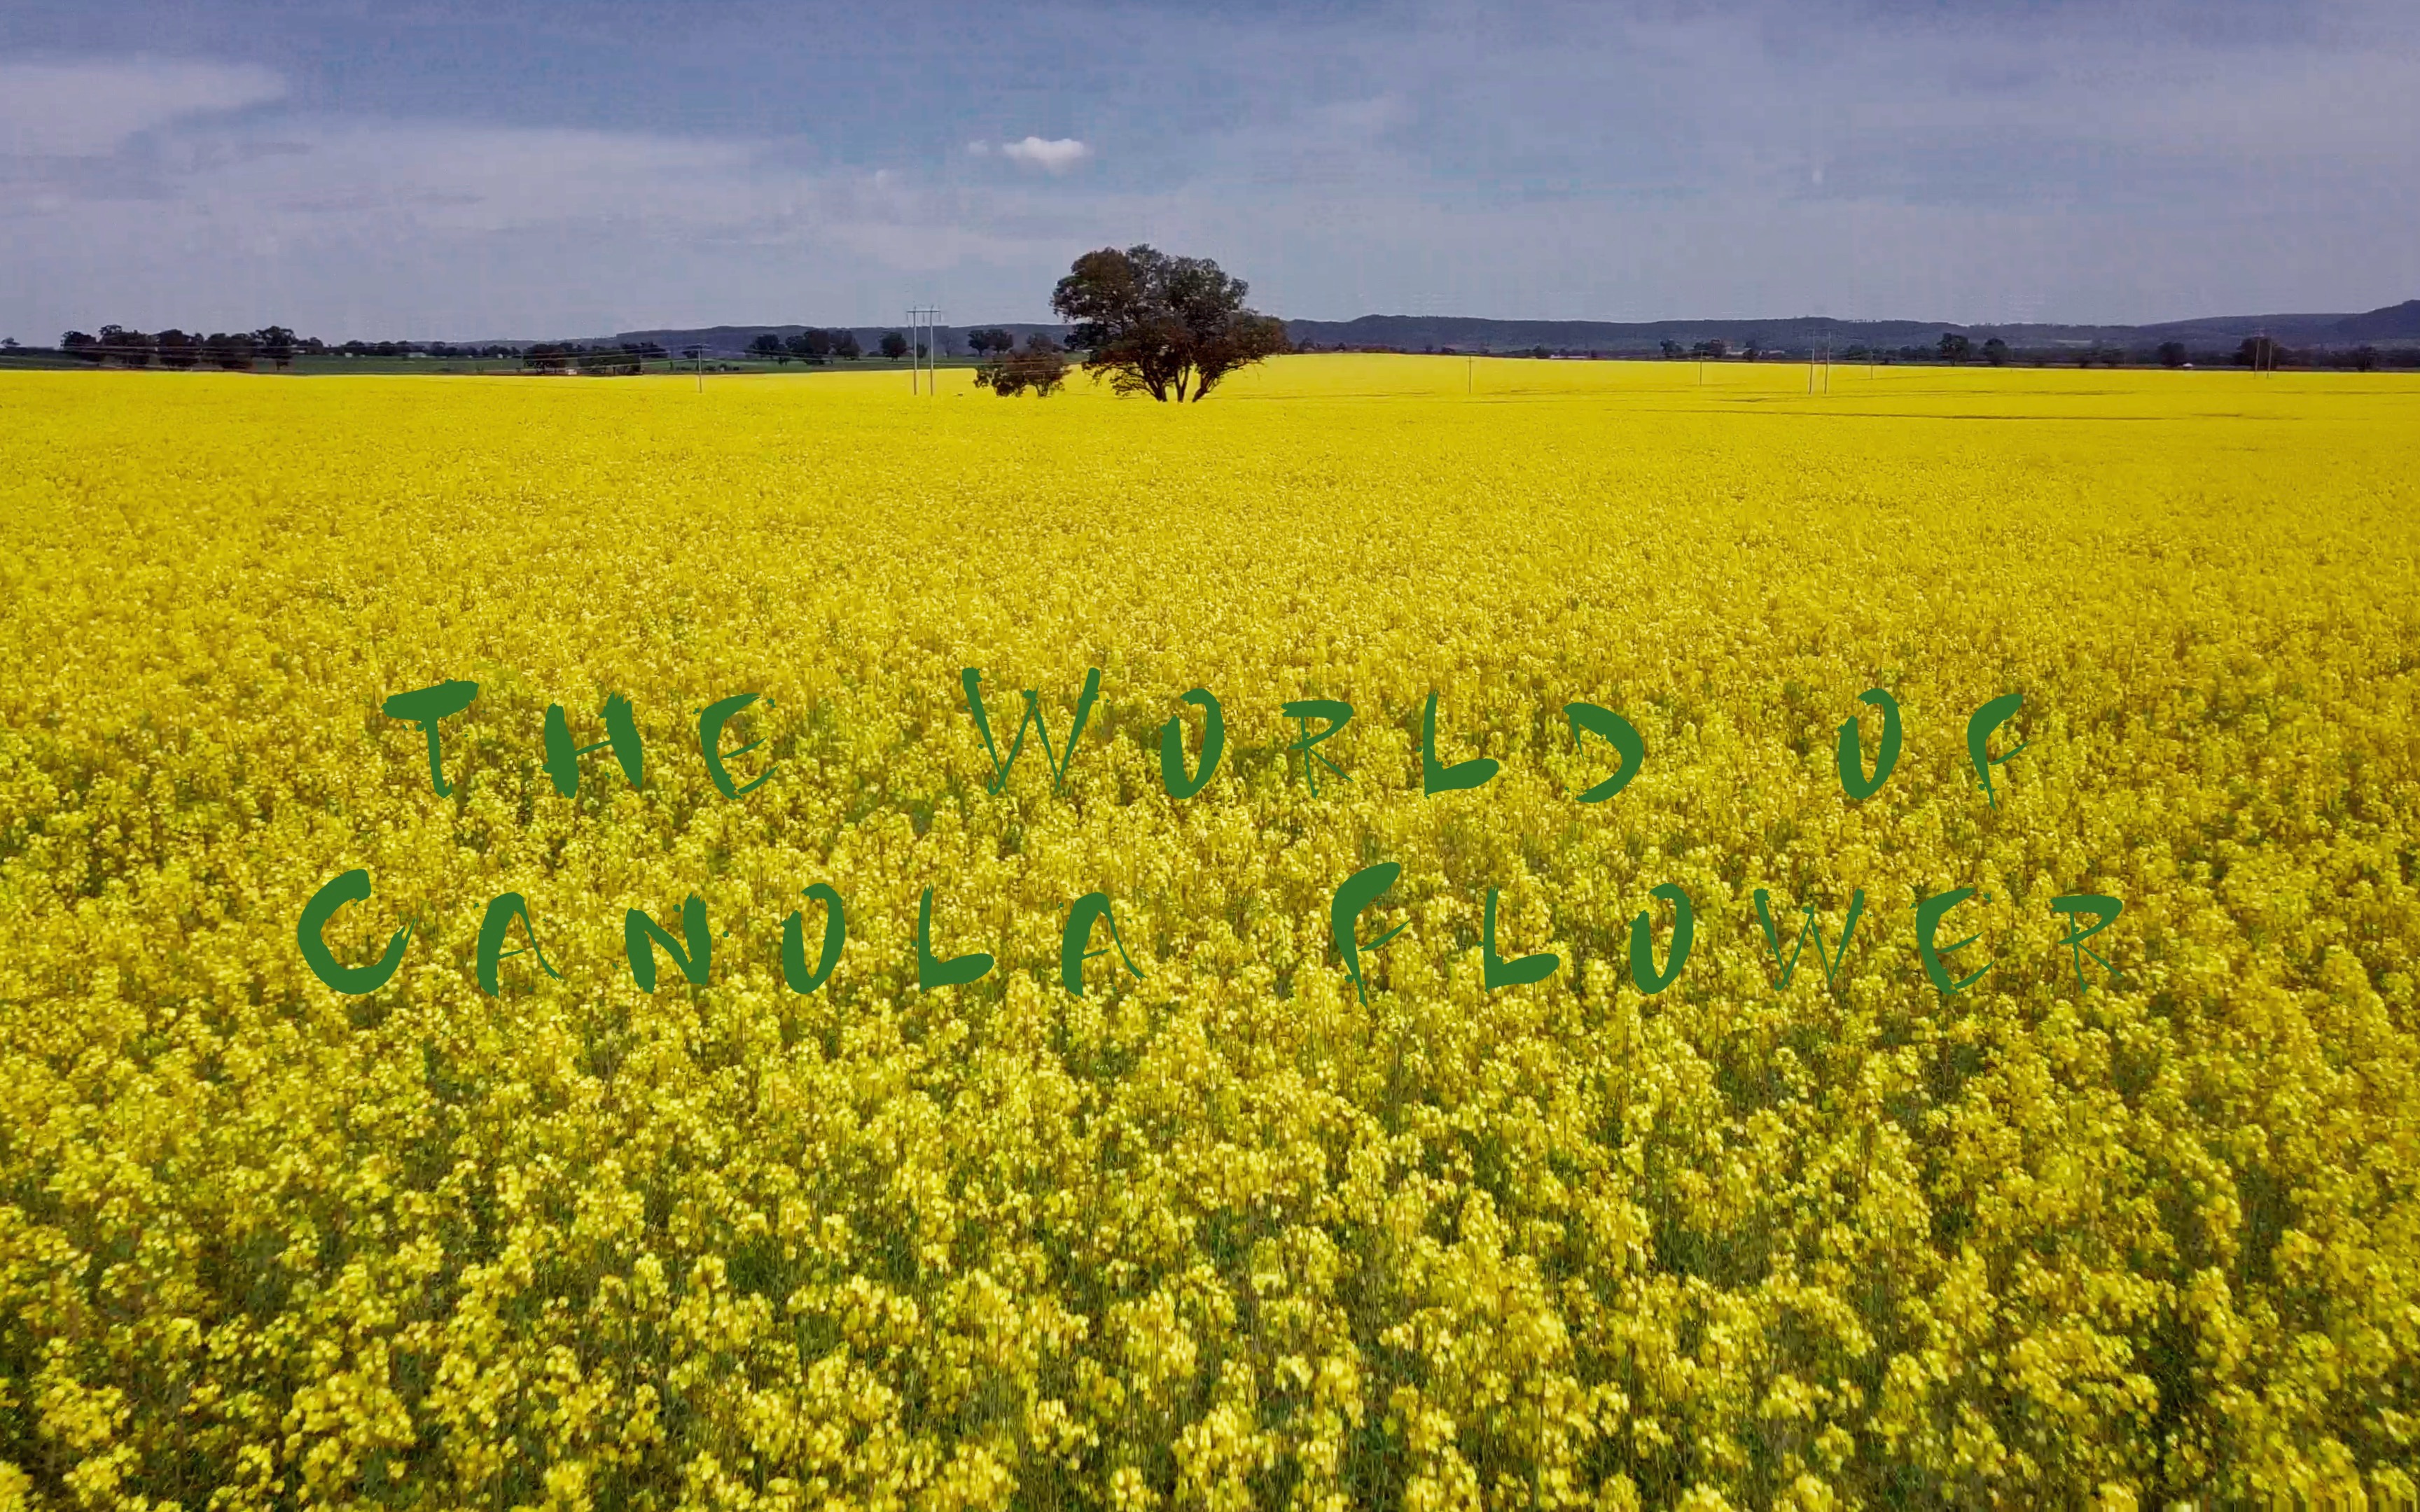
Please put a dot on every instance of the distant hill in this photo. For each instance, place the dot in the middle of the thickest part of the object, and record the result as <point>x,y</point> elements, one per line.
<point>2395,324</point>
<point>1405,332</point>
<point>1463,333</point>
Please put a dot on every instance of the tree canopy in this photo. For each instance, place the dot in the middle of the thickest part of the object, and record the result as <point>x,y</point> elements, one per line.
<point>1041,367</point>
<point>1168,327</point>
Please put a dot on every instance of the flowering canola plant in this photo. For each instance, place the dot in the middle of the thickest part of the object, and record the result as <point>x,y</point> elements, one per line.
<point>1235,1226</point>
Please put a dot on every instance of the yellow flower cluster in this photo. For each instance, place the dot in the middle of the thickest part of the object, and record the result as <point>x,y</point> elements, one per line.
<point>1226,1236</point>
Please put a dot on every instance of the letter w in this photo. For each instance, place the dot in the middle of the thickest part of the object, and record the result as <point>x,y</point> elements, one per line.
<point>973,677</point>
<point>1831,964</point>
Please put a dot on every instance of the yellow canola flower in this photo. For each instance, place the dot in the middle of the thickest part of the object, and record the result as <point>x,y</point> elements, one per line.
<point>1232,1229</point>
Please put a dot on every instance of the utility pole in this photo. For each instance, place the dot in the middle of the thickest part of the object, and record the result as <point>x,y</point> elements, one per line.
<point>924,325</point>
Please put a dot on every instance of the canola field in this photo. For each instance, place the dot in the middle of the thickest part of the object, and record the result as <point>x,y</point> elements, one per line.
<point>1230,1229</point>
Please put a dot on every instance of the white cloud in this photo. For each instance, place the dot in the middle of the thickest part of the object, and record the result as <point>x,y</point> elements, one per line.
<point>1055,155</point>
<point>90,109</point>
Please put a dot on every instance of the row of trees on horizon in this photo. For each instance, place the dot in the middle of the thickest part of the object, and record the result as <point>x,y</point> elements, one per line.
<point>814,345</point>
<point>276,346</point>
<point>239,350</point>
<point>1956,349</point>
<point>2258,352</point>
<point>1139,307</point>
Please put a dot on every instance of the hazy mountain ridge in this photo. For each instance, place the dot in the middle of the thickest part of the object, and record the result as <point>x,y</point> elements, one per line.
<point>2397,323</point>
<point>1466,333</point>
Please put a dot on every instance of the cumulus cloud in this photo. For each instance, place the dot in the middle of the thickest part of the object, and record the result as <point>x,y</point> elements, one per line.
<point>91,108</point>
<point>1050,155</point>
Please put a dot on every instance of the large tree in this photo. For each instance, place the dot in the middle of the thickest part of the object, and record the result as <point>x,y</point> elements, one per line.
<point>1168,327</point>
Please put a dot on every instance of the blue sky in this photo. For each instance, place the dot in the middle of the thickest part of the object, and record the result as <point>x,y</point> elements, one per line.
<point>502,169</point>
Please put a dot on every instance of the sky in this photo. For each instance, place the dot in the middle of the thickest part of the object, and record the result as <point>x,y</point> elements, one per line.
<point>436,169</point>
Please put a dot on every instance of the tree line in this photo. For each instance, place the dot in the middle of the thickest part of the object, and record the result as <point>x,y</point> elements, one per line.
<point>1171,327</point>
<point>1955,348</point>
<point>815,347</point>
<point>236,350</point>
<point>246,350</point>
<point>600,357</point>
<point>1166,326</point>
